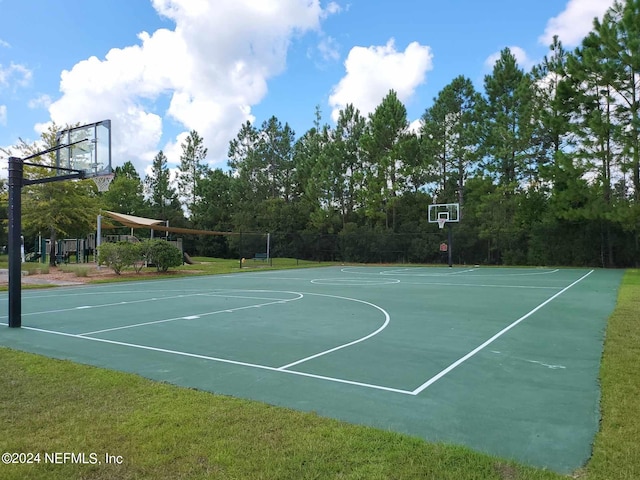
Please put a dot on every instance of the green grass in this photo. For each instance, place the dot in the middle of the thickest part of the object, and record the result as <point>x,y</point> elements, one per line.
<point>163,431</point>
<point>617,449</point>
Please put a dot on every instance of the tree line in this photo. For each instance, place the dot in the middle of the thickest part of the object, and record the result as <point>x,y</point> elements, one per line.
<point>545,164</point>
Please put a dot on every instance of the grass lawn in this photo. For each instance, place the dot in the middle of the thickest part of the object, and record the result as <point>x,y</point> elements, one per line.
<point>153,430</point>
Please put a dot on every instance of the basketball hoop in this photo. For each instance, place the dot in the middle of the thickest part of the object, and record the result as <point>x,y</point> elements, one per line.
<point>104,181</point>
<point>442,221</point>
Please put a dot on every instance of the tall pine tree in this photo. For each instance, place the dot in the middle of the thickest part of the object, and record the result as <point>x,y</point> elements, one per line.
<point>191,169</point>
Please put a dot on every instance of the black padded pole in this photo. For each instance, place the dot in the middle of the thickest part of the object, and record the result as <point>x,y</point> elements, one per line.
<point>449,244</point>
<point>15,241</point>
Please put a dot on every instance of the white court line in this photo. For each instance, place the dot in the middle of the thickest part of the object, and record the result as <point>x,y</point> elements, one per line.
<point>223,360</point>
<point>415,273</point>
<point>222,295</point>
<point>463,271</point>
<point>192,317</point>
<point>354,282</point>
<point>279,278</point>
<point>528,274</point>
<point>410,272</point>
<point>387,319</point>
<point>29,294</point>
<point>396,270</point>
<point>483,285</point>
<point>101,305</point>
<point>103,289</point>
<point>460,361</point>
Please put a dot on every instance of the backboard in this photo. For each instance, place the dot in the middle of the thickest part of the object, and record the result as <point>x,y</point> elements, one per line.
<point>444,213</point>
<point>86,148</point>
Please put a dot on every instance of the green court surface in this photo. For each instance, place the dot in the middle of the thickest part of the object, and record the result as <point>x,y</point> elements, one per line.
<point>502,360</point>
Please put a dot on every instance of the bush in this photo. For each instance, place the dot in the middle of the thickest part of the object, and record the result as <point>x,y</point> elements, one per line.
<point>162,254</point>
<point>118,256</point>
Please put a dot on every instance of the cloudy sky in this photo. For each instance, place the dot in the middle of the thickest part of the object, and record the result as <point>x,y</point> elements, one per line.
<point>160,68</point>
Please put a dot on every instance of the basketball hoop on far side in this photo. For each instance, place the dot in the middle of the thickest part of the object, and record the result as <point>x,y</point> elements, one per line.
<point>442,221</point>
<point>104,181</point>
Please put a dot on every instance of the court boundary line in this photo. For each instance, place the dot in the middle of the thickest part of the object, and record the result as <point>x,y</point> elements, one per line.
<point>483,285</point>
<point>351,282</point>
<point>112,304</point>
<point>223,360</point>
<point>481,347</point>
<point>35,293</point>
<point>358,271</point>
<point>405,282</point>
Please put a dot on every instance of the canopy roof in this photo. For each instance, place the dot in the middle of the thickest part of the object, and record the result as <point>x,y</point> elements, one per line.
<point>133,221</point>
<point>159,225</point>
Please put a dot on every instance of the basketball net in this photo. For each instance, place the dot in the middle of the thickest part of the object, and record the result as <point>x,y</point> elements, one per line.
<point>441,222</point>
<point>103,182</point>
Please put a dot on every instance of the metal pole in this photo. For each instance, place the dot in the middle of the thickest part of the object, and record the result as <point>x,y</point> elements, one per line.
<point>268,248</point>
<point>16,169</point>
<point>98,241</point>
<point>449,244</point>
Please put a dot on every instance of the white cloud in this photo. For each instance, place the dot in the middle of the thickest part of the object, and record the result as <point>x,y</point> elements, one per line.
<point>415,126</point>
<point>372,72</point>
<point>329,49</point>
<point>332,9</point>
<point>41,101</point>
<point>574,22</point>
<point>14,75</point>
<point>3,114</point>
<point>520,55</point>
<point>40,128</point>
<point>212,68</point>
<point>4,44</point>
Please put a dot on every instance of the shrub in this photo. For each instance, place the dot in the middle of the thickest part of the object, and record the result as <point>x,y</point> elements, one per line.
<point>162,254</point>
<point>79,270</point>
<point>118,256</point>
<point>82,271</point>
<point>132,254</point>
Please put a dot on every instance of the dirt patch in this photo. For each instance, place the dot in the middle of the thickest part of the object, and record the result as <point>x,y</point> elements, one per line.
<point>57,276</point>
<point>506,472</point>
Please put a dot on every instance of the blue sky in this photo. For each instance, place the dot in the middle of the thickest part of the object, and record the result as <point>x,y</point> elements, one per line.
<point>159,68</point>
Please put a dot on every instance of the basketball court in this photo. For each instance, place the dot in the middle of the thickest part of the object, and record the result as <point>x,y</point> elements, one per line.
<point>502,360</point>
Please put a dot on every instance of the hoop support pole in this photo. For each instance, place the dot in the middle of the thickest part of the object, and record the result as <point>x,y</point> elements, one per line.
<point>450,245</point>
<point>16,170</point>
